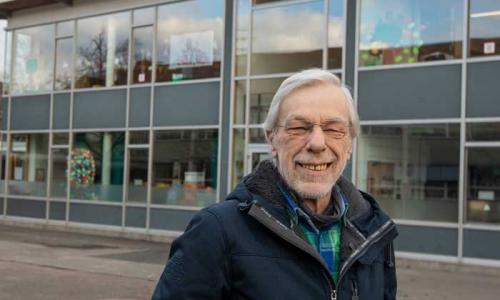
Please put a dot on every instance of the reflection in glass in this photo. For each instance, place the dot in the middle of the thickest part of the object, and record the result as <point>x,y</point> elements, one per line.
<point>61,138</point>
<point>261,95</point>
<point>408,31</point>
<point>65,28</point>
<point>242,36</point>
<point>335,33</point>
<point>238,163</point>
<point>483,132</point>
<point>189,44</point>
<point>412,170</point>
<point>96,166</point>
<point>28,166</point>
<point>144,16</point>
<point>33,60</point>
<point>142,54</point>
<point>483,27</point>
<point>138,175</point>
<point>257,136</point>
<point>102,50</point>
<point>58,182</point>
<point>239,102</point>
<point>281,43</point>
<point>64,64</point>
<point>3,161</point>
<point>139,137</point>
<point>483,185</point>
<point>7,63</point>
<point>185,167</point>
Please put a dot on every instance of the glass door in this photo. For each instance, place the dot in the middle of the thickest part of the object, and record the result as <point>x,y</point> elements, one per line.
<point>257,153</point>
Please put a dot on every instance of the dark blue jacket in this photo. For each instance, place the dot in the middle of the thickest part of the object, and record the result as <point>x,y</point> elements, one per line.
<point>244,248</point>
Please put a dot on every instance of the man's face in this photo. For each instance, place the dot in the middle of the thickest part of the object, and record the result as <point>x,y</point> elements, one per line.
<point>309,147</point>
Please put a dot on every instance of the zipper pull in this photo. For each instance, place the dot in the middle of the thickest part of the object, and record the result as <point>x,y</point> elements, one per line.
<point>333,295</point>
<point>354,290</point>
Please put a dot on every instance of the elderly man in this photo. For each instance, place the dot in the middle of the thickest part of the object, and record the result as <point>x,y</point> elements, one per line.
<point>293,228</point>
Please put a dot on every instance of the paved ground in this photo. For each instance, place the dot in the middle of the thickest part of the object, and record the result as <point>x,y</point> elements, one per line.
<point>40,264</point>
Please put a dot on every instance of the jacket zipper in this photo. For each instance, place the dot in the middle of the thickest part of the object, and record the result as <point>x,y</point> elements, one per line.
<point>260,214</point>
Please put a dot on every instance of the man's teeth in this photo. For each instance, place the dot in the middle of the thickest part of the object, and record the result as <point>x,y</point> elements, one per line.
<point>316,167</point>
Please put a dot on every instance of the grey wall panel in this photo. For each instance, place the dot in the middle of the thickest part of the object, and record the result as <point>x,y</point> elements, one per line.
<point>166,219</point>
<point>26,208</point>
<point>441,241</point>
<point>30,112</point>
<point>140,103</point>
<point>5,111</point>
<point>410,93</point>
<point>482,244</point>
<point>95,214</point>
<point>57,211</point>
<point>187,104</point>
<point>61,111</point>
<point>483,89</point>
<point>100,109</point>
<point>135,217</point>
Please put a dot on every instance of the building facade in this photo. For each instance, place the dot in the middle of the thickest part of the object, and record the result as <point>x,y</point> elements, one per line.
<point>133,115</point>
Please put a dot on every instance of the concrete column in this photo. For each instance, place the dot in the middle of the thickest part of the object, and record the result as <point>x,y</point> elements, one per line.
<point>31,159</point>
<point>110,51</point>
<point>106,159</point>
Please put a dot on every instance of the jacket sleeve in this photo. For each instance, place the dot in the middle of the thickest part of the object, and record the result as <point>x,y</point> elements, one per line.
<point>390,281</point>
<point>197,265</point>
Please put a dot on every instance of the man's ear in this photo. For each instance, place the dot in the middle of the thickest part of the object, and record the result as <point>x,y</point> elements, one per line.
<point>270,137</point>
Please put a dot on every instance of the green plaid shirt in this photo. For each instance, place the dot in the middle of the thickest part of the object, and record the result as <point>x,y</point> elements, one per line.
<point>325,240</point>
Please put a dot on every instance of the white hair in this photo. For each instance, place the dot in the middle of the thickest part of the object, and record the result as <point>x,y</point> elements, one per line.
<point>311,77</point>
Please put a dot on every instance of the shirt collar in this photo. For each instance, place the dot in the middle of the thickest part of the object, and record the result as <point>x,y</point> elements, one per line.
<point>297,214</point>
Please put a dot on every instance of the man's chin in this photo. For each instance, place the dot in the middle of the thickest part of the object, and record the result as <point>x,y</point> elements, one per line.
<point>312,191</point>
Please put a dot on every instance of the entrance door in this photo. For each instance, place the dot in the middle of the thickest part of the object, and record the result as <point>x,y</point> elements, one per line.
<point>256,154</point>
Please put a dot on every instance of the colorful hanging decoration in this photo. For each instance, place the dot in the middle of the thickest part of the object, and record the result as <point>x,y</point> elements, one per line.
<point>82,166</point>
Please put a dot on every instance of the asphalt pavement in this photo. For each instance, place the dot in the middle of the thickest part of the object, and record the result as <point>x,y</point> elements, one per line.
<point>42,264</point>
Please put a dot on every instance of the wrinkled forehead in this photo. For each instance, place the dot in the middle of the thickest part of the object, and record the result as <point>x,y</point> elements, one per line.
<point>318,103</point>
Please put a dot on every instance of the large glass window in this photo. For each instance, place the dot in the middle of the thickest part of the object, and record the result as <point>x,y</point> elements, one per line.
<point>483,185</point>
<point>281,43</point>
<point>137,189</point>
<point>58,184</point>
<point>242,36</point>
<point>483,132</point>
<point>28,164</point>
<point>142,54</point>
<point>185,167</point>
<point>189,44</point>
<point>144,16</point>
<point>65,28</point>
<point>238,163</point>
<point>335,33</point>
<point>33,59</point>
<point>408,31</point>
<point>412,170</point>
<point>261,95</point>
<point>7,62</point>
<point>102,50</point>
<point>96,166</point>
<point>64,64</point>
<point>240,90</point>
<point>483,27</point>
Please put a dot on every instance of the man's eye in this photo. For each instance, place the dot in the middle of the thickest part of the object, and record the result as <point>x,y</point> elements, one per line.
<point>297,130</point>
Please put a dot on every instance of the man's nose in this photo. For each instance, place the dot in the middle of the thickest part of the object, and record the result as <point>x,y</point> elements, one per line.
<point>316,141</point>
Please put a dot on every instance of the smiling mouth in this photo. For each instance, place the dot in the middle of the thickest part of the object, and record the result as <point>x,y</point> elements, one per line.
<point>315,167</point>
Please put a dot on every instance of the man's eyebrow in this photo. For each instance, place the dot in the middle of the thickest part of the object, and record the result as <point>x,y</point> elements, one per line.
<point>329,120</point>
